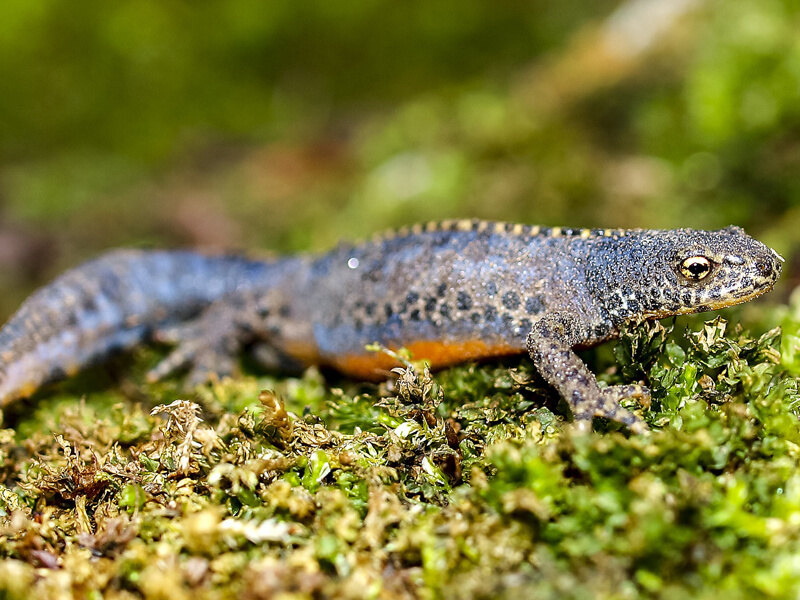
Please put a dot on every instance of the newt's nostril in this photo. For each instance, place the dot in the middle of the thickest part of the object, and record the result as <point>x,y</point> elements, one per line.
<point>765,267</point>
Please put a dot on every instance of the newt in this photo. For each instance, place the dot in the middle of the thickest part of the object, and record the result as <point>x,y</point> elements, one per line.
<point>448,291</point>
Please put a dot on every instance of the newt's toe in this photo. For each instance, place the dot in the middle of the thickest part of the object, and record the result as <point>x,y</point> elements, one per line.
<point>610,408</point>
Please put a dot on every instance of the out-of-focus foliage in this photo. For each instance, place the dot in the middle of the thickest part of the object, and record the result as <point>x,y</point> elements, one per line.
<point>286,126</point>
<point>266,125</point>
<point>141,78</point>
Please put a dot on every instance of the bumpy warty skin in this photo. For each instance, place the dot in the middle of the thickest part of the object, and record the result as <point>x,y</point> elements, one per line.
<point>489,285</point>
<point>448,291</point>
<point>637,274</point>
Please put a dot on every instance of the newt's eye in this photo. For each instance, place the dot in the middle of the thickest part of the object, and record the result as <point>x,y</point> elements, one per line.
<point>696,267</point>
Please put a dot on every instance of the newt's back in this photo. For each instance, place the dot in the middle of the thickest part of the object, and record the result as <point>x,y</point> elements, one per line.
<point>459,290</point>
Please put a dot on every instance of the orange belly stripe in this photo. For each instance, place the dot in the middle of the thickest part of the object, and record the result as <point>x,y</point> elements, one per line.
<point>376,365</point>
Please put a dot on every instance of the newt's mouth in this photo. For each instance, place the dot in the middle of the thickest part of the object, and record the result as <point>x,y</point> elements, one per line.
<point>732,300</point>
<point>719,304</point>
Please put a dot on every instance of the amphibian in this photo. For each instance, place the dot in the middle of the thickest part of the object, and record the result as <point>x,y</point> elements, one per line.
<point>449,292</point>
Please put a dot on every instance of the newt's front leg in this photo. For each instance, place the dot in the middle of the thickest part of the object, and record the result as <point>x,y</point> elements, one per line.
<point>550,344</point>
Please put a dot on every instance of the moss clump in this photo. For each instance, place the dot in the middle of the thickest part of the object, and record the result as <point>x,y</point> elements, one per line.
<point>469,485</point>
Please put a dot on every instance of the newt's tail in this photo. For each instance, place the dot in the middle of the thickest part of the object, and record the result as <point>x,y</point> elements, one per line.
<point>109,304</point>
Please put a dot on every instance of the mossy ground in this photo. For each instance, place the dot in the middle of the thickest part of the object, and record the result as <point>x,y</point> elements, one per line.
<point>466,484</point>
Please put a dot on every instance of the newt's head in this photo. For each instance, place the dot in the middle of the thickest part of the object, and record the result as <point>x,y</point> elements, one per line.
<point>656,274</point>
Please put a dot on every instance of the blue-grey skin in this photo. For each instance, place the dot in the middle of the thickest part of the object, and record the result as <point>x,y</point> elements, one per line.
<point>457,290</point>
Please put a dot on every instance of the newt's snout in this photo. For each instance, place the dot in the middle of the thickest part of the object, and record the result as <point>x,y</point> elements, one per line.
<point>770,267</point>
<point>765,269</point>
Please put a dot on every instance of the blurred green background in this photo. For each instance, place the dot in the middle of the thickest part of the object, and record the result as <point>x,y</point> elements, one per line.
<point>273,125</point>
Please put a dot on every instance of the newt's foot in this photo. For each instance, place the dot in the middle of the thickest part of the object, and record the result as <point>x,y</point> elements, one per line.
<point>608,406</point>
<point>207,347</point>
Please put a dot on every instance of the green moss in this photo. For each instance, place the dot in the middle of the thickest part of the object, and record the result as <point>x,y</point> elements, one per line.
<point>470,484</point>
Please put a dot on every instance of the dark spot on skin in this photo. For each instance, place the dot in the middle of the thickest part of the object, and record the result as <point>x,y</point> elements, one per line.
<point>444,310</point>
<point>88,304</point>
<point>246,328</point>
<point>633,306</point>
<point>263,312</point>
<point>412,297</point>
<point>508,321</point>
<point>285,310</point>
<point>430,305</point>
<point>600,331</point>
<point>109,287</point>
<point>358,324</point>
<point>511,300</point>
<point>491,289</point>
<point>686,298</point>
<point>463,301</point>
<point>703,308</point>
<point>476,317</point>
<point>414,315</point>
<point>716,294</point>
<point>369,309</point>
<point>534,305</point>
<point>526,325</point>
<point>321,268</point>
<point>389,310</point>
<point>441,290</point>
<point>490,314</point>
